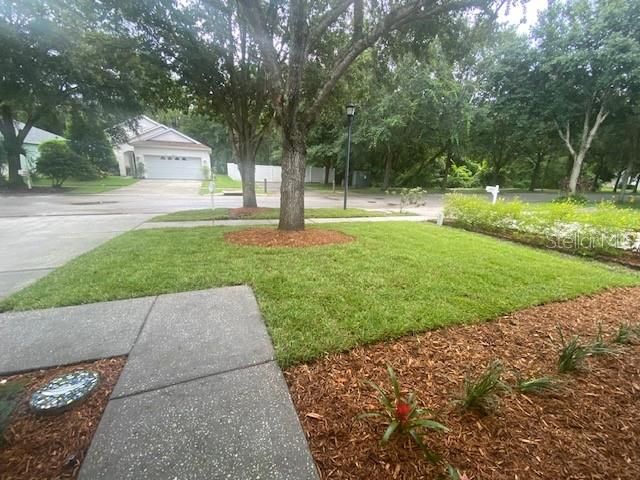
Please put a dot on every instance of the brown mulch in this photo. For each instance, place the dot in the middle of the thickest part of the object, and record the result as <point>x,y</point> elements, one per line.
<point>53,446</point>
<point>269,237</point>
<point>589,430</point>
<point>247,212</point>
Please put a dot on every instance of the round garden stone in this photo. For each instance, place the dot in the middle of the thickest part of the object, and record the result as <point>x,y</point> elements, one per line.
<point>63,392</point>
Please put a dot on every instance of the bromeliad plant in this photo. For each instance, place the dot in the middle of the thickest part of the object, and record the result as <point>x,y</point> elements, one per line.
<point>403,416</point>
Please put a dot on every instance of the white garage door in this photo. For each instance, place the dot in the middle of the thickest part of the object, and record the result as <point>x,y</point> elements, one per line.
<point>172,167</point>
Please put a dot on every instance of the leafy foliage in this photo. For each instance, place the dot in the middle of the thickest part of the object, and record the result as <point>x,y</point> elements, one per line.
<point>87,138</point>
<point>572,354</point>
<point>538,385</point>
<point>563,225</point>
<point>482,393</point>
<point>402,415</point>
<point>59,162</point>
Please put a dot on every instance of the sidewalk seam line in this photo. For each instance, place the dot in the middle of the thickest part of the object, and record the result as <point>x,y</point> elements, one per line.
<point>199,377</point>
<point>144,322</point>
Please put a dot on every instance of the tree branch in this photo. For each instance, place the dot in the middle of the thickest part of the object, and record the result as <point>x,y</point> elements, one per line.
<point>328,19</point>
<point>393,20</point>
<point>258,24</point>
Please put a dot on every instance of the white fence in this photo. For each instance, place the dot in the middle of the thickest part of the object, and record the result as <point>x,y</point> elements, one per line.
<point>273,173</point>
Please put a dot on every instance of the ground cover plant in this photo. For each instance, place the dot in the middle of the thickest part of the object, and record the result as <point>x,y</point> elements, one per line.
<point>48,447</point>
<point>603,229</point>
<point>395,278</point>
<point>205,214</point>
<point>586,429</point>
<point>401,414</point>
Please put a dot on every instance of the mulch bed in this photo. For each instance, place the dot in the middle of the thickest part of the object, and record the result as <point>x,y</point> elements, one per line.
<point>589,430</point>
<point>247,212</point>
<point>269,237</point>
<point>54,446</point>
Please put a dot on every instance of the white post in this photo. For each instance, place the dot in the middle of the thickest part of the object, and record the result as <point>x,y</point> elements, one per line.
<point>212,189</point>
<point>494,191</point>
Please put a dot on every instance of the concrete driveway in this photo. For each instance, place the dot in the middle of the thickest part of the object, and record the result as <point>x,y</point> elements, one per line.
<point>39,233</point>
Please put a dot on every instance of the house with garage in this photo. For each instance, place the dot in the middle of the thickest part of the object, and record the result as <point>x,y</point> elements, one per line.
<point>156,151</point>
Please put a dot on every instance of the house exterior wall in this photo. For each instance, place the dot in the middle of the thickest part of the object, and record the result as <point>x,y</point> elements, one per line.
<point>140,152</point>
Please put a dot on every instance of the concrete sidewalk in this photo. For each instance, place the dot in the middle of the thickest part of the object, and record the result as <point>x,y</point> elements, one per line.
<point>200,397</point>
<point>309,221</point>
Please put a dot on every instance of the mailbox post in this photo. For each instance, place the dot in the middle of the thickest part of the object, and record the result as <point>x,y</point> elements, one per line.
<point>494,191</point>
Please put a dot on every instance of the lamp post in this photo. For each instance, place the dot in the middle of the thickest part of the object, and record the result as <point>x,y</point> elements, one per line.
<point>351,110</point>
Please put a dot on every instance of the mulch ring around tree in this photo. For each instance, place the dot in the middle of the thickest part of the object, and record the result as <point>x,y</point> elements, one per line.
<point>590,429</point>
<point>270,237</point>
<point>54,446</point>
<point>247,212</point>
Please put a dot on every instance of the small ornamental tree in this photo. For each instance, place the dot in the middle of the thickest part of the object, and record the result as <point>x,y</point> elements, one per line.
<point>59,162</point>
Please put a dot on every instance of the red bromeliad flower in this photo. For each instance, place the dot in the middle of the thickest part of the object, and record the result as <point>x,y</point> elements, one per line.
<point>403,410</point>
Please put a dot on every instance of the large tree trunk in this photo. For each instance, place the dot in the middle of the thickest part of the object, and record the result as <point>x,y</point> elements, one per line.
<point>388,168</point>
<point>244,152</point>
<point>618,178</point>
<point>536,171</point>
<point>294,155</point>
<point>13,142</point>
<point>247,169</point>
<point>625,179</point>
<point>588,134</point>
<point>447,169</point>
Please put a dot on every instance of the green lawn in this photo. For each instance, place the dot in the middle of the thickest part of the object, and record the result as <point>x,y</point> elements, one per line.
<point>266,214</point>
<point>223,182</point>
<point>395,279</point>
<point>100,185</point>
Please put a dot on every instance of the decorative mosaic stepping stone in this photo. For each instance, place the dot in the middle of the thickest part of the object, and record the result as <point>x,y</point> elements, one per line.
<point>63,392</point>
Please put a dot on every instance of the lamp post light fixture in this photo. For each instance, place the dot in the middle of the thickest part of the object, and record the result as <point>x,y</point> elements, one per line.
<point>351,110</point>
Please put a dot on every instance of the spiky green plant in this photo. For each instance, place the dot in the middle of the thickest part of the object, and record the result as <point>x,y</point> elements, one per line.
<point>482,394</point>
<point>599,346</point>
<point>626,334</point>
<point>402,415</point>
<point>572,354</point>
<point>539,385</point>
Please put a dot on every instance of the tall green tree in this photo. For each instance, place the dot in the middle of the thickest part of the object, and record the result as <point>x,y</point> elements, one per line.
<point>86,136</point>
<point>309,49</point>
<point>207,50</point>
<point>590,57</point>
<point>58,54</point>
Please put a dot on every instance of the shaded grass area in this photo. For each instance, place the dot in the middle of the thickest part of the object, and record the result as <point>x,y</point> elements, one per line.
<point>223,182</point>
<point>100,185</point>
<point>395,279</point>
<point>265,214</point>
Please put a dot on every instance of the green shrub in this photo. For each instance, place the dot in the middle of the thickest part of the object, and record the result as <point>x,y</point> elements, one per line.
<point>482,394</point>
<point>575,199</point>
<point>537,385</point>
<point>58,162</point>
<point>572,354</point>
<point>603,229</point>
